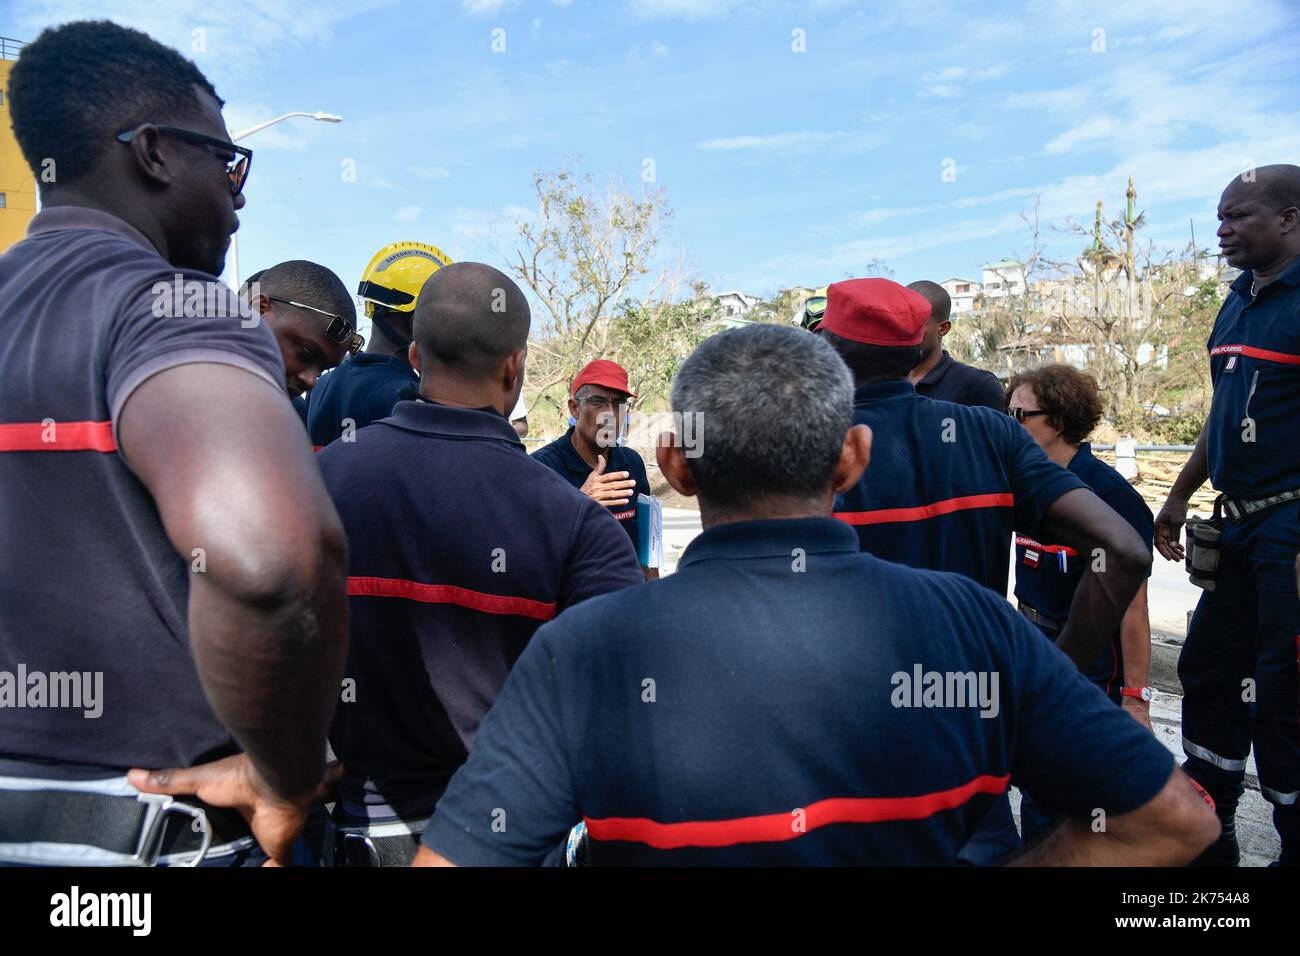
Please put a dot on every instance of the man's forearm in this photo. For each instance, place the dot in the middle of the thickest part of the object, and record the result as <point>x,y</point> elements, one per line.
<point>1195,472</point>
<point>271,669</point>
<point>1096,612</point>
<point>1076,844</point>
<point>1135,641</point>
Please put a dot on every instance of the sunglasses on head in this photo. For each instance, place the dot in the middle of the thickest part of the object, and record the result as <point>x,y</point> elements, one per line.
<point>1019,414</point>
<point>339,329</point>
<point>236,168</point>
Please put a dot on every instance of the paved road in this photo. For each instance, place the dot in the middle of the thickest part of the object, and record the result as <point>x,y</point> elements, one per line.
<point>1170,596</point>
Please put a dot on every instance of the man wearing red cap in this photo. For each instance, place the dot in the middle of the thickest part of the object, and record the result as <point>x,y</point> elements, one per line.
<point>589,456</point>
<point>950,484</point>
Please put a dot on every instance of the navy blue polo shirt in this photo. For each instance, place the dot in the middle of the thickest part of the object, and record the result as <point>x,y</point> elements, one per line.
<point>364,388</point>
<point>1255,367</point>
<point>760,706</point>
<point>947,484</point>
<point>90,584</point>
<point>460,547</point>
<point>562,458</point>
<point>1047,575</point>
<point>953,381</point>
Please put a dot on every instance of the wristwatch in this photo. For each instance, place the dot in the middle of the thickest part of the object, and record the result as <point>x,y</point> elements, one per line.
<point>1143,694</point>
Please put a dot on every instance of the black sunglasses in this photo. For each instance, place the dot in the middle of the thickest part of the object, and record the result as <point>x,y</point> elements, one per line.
<point>1019,414</point>
<point>339,329</point>
<point>236,169</point>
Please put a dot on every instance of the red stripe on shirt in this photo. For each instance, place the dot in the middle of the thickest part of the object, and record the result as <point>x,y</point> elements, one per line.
<point>67,436</point>
<point>776,827</point>
<point>450,594</point>
<point>922,512</point>
<point>1251,352</point>
<point>1049,548</point>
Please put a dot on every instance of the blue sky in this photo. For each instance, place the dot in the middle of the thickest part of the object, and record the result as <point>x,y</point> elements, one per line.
<point>782,167</point>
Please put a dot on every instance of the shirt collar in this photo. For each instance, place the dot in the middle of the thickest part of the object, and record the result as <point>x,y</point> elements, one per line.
<point>58,218</point>
<point>396,360</point>
<point>1290,275</point>
<point>770,538</point>
<point>879,391</point>
<point>1082,459</point>
<point>443,421</point>
<point>939,371</point>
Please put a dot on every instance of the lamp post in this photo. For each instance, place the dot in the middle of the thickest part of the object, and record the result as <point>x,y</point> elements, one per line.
<point>234,239</point>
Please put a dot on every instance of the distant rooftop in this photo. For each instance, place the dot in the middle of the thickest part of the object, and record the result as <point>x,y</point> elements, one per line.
<point>10,48</point>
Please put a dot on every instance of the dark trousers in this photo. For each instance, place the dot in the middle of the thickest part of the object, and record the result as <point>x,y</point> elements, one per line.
<point>1240,671</point>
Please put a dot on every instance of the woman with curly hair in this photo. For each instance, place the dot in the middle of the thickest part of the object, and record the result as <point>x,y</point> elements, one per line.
<point>1060,406</point>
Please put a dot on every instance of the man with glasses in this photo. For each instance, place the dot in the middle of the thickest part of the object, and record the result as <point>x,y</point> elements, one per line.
<point>312,315</point>
<point>589,456</point>
<point>207,585</point>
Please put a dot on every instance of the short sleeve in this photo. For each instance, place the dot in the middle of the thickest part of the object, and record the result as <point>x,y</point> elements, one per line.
<point>1074,750</point>
<point>198,320</point>
<point>513,801</point>
<point>1036,481</point>
<point>601,557</point>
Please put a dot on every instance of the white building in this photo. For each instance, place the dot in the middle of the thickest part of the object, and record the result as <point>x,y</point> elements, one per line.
<point>734,303</point>
<point>962,292</point>
<point>1006,277</point>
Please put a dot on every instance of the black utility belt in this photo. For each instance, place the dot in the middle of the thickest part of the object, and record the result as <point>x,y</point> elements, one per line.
<point>1205,535</point>
<point>1038,617</point>
<point>110,823</point>
<point>1239,509</point>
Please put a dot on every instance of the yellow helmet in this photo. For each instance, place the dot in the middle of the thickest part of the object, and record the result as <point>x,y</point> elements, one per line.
<point>811,312</point>
<point>395,274</point>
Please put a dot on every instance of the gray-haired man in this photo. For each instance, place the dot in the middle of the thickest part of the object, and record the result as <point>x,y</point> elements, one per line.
<point>773,701</point>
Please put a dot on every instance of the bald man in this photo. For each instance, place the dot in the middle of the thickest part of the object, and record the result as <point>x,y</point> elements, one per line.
<point>312,315</point>
<point>939,375</point>
<point>461,547</point>
<point>1238,666</point>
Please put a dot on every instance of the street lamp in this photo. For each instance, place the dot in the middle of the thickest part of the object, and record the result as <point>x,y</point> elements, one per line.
<point>234,239</point>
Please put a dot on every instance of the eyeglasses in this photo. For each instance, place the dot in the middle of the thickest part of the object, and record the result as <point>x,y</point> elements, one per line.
<point>339,329</point>
<point>1019,414</point>
<point>236,168</point>
<point>600,403</point>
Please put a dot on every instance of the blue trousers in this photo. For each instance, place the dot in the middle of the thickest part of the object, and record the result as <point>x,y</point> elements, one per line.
<point>1240,671</point>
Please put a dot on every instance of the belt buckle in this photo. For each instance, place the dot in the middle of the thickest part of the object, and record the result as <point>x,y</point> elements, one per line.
<point>359,850</point>
<point>161,806</point>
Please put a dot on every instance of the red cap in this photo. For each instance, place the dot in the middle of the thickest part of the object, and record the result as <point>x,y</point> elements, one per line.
<point>602,372</point>
<point>875,312</point>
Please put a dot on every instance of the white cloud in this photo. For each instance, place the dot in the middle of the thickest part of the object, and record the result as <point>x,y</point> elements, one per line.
<point>232,37</point>
<point>682,9</point>
<point>484,8</point>
<point>408,214</point>
<point>1100,127</point>
<point>429,172</point>
<point>941,90</point>
<point>770,140</point>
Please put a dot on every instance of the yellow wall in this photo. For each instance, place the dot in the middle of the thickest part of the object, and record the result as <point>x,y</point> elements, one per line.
<point>16,180</point>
